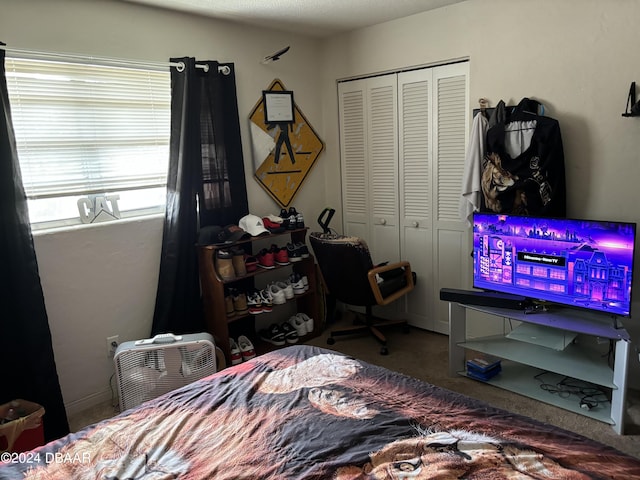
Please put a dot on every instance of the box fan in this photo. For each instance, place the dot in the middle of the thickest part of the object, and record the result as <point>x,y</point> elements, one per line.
<point>146,369</point>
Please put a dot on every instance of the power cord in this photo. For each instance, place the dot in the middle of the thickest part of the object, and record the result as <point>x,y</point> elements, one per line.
<point>114,397</point>
<point>611,354</point>
<point>590,396</point>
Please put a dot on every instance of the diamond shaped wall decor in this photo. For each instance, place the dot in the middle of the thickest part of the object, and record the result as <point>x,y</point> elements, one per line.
<point>296,145</point>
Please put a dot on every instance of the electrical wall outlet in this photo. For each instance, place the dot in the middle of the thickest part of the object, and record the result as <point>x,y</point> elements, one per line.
<point>112,345</point>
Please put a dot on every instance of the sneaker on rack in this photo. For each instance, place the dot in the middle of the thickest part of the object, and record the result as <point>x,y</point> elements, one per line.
<point>265,259</point>
<point>280,255</point>
<point>285,218</point>
<point>302,249</point>
<point>277,295</point>
<point>305,282</point>
<point>308,321</point>
<point>299,221</point>
<point>273,335</point>
<point>236,355</point>
<point>287,288</point>
<point>293,218</point>
<point>267,300</point>
<point>251,263</point>
<point>290,333</point>
<point>296,283</point>
<point>254,302</point>
<point>298,323</point>
<point>247,349</point>
<point>295,255</point>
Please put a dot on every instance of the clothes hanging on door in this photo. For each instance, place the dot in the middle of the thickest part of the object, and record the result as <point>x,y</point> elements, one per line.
<point>471,190</point>
<point>523,169</point>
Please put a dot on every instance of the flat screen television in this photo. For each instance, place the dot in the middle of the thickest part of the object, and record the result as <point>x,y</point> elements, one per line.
<point>571,262</point>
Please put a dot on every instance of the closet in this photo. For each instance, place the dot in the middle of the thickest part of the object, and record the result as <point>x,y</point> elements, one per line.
<point>403,138</point>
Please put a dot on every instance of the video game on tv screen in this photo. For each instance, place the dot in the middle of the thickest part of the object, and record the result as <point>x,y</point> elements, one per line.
<point>580,263</point>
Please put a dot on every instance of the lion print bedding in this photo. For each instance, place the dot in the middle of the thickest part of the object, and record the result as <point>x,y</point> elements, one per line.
<point>308,413</point>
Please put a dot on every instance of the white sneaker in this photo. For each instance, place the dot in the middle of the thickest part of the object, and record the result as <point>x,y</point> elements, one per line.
<point>308,322</point>
<point>254,302</point>
<point>246,348</point>
<point>287,289</point>
<point>296,322</point>
<point>305,282</point>
<point>277,294</point>
<point>296,282</point>
<point>236,356</point>
<point>266,299</point>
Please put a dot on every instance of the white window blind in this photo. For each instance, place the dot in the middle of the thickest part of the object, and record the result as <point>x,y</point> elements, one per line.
<point>83,130</point>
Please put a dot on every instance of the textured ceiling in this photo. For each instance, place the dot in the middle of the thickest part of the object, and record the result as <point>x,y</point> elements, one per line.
<point>318,18</point>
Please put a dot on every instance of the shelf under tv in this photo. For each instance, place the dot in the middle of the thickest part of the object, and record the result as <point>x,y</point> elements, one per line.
<point>578,359</point>
<point>516,377</point>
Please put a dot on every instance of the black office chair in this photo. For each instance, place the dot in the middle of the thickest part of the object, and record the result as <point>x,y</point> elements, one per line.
<point>351,277</point>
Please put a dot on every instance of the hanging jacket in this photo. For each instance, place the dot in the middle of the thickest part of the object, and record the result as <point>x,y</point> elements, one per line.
<point>523,169</point>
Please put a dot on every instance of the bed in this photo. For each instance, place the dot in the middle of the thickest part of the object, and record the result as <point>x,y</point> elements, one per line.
<point>305,412</point>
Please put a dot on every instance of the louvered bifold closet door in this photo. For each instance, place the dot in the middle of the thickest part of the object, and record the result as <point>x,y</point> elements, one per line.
<point>369,156</point>
<point>416,233</point>
<point>382,141</point>
<point>355,213</point>
<point>451,237</point>
<point>403,139</point>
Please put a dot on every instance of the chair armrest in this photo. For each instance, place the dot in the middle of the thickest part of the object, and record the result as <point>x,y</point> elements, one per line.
<point>375,288</point>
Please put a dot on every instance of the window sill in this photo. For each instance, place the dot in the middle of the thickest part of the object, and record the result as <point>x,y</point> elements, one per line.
<point>58,227</point>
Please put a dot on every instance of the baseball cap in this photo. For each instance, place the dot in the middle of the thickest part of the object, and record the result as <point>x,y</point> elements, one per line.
<point>273,227</point>
<point>253,225</point>
<point>215,234</point>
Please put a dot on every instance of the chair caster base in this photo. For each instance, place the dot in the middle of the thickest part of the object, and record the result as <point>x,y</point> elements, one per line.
<point>384,351</point>
<point>331,341</point>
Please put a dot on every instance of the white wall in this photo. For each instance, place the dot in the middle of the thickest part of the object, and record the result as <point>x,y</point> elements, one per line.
<point>101,280</point>
<point>575,56</point>
<point>98,281</point>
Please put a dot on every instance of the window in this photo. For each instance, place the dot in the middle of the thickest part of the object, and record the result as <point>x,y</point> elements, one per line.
<point>86,133</point>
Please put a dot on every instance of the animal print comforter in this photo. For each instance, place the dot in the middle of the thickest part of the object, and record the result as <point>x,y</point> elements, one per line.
<point>308,413</point>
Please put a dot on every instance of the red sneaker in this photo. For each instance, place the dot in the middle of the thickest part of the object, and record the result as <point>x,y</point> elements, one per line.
<point>251,263</point>
<point>280,255</point>
<point>266,259</point>
<point>236,355</point>
<point>246,348</point>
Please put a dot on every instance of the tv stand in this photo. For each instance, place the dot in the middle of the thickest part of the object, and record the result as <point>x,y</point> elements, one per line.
<point>580,359</point>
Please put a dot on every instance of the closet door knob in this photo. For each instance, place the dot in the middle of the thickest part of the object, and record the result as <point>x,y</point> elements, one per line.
<point>383,221</point>
<point>415,224</point>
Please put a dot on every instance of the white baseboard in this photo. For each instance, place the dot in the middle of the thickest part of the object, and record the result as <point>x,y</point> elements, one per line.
<point>88,402</point>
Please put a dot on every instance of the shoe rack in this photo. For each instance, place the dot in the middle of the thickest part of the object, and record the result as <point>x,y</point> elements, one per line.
<point>213,287</point>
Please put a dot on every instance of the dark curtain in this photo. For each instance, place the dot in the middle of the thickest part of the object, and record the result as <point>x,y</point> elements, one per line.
<point>205,185</point>
<point>223,192</point>
<point>26,354</point>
